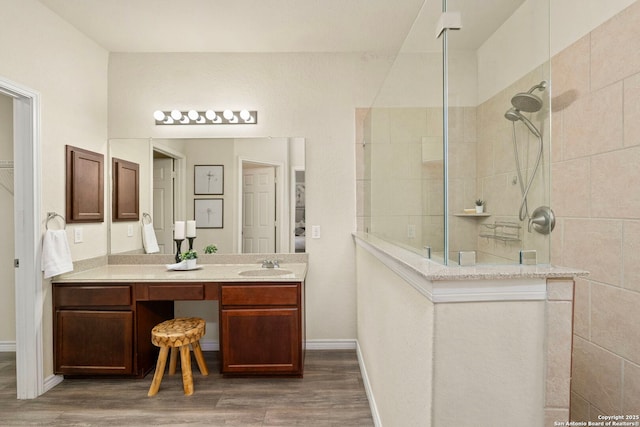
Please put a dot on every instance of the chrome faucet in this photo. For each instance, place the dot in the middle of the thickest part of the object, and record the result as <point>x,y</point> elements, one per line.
<point>270,263</point>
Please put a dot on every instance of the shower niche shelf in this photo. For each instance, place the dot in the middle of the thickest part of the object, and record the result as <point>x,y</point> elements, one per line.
<point>473,215</point>
<point>504,231</point>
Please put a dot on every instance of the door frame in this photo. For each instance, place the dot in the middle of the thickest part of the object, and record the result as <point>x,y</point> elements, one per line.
<point>179,181</point>
<point>30,295</point>
<point>281,211</point>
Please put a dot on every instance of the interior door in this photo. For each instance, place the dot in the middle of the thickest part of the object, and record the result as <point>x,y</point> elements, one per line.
<point>163,203</point>
<point>258,209</point>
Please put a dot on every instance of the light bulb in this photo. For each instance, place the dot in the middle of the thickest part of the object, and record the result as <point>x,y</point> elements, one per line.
<point>159,115</point>
<point>245,115</point>
<point>176,115</point>
<point>228,114</point>
<point>193,114</point>
<point>210,115</point>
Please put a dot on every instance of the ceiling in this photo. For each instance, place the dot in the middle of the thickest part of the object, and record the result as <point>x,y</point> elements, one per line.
<point>274,25</point>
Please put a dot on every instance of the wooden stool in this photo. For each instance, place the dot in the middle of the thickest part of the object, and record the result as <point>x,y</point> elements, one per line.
<point>174,334</point>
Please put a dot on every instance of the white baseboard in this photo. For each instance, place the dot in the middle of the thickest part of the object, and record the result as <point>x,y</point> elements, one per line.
<point>52,381</point>
<point>7,346</point>
<point>367,387</point>
<point>339,344</point>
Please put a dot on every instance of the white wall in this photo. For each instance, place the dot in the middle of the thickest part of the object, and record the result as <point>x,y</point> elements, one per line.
<point>297,95</point>
<point>45,54</point>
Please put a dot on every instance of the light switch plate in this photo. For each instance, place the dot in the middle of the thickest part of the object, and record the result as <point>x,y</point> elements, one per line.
<point>315,231</point>
<point>77,235</point>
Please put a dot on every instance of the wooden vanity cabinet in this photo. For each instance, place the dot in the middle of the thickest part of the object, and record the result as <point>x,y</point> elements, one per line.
<point>262,328</point>
<point>93,327</point>
<point>99,329</point>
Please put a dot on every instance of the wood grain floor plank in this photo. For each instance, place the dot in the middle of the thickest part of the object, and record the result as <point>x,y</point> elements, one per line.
<point>330,394</point>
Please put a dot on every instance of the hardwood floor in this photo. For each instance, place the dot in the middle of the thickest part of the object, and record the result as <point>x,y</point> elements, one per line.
<point>330,394</point>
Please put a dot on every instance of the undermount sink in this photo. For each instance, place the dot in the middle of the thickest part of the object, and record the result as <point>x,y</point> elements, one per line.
<point>264,272</point>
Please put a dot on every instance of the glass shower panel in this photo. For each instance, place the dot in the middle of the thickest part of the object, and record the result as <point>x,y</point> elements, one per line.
<point>498,53</point>
<point>403,155</point>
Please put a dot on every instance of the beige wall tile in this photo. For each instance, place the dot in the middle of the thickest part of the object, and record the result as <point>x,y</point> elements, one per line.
<point>553,416</point>
<point>631,391</point>
<point>557,136</point>
<point>631,254</point>
<point>570,74</point>
<point>611,44</point>
<point>559,290</point>
<point>632,111</point>
<point>570,187</point>
<point>612,325</point>
<point>470,124</point>
<point>582,309</point>
<point>593,124</point>
<point>597,376</point>
<point>615,178</point>
<point>579,408</point>
<point>594,246</point>
<point>558,375</point>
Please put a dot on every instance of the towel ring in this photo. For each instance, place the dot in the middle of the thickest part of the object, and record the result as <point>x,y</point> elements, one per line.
<point>146,215</point>
<point>52,215</point>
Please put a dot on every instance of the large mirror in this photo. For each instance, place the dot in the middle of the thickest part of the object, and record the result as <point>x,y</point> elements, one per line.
<point>246,194</point>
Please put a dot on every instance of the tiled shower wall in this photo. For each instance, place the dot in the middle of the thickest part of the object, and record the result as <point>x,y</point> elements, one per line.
<point>596,196</point>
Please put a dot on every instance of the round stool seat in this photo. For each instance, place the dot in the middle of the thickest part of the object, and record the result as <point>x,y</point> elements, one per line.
<point>178,332</point>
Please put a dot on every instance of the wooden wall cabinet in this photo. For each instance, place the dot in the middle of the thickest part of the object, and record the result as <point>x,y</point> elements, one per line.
<point>262,328</point>
<point>126,190</point>
<point>84,185</point>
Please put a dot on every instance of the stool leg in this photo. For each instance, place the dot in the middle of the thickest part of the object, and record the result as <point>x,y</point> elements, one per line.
<point>173,360</point>
<point>187,377</point>
<point>197,351</point>
<point>157,376</point>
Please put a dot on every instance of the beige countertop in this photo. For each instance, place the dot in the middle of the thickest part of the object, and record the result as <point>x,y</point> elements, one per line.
<point>287,272</point>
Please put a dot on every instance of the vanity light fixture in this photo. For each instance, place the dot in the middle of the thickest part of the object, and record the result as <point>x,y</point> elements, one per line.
<point>208,117</point>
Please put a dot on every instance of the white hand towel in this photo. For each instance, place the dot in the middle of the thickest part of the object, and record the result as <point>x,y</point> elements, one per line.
<point>56,256</point>
<point>149,240</point>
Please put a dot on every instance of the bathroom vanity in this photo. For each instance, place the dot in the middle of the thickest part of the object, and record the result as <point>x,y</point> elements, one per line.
<point>103,317</point>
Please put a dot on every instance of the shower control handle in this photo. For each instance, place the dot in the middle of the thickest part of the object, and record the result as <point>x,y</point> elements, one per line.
<point>542,220</point>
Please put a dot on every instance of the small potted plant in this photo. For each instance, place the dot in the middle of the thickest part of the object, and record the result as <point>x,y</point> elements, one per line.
<point>211,249</point>
<point>479,206</point>
<point>191,257</point>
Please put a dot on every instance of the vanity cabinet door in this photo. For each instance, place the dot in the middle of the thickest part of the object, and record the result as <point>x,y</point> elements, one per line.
<point>89,342</point>
<point>260,341</point>
<point>261,329</point>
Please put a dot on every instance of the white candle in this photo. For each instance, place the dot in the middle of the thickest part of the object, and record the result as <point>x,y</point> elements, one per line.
<point>178,233</point>
<point>191,228</point>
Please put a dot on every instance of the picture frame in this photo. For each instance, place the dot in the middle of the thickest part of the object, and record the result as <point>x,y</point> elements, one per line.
<point>209,213</point>
<point>208,180</point>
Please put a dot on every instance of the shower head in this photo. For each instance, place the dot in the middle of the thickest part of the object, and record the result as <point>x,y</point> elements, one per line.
<point>527,101</point>
<point>513,114</point>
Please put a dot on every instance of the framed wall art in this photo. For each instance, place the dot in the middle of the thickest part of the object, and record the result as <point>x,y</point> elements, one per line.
<point>208,213</point>
<point>208,179</point>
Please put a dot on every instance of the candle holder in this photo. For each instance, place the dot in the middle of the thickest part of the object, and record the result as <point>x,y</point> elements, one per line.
<point>178,246</point>
<point>191,239</point>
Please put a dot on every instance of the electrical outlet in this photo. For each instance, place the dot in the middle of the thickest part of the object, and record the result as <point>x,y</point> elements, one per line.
<point>315,231</point>
<point>411,231</point>
<point>77,235</point>
<point>130,230</point>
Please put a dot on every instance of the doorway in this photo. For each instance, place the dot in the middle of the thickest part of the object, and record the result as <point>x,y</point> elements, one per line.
<point>29,294</point>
